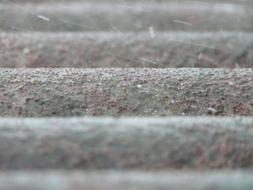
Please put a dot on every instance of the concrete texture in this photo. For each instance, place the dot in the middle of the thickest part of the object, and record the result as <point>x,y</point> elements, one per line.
<point>170,16</point>
<point>126,143</point>
<point>128,92</point>
<point>113,180</point>
<point>113,49</point>
<point>244,2</point>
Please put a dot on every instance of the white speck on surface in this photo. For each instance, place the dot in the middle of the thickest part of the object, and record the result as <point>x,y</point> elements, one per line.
<point>230,83</point>
<point>139,85</point>
<point>212,110</point>
<point>26,50</point>
<point>182,22</point>
<point>151,32</point>
<point>43,18</point>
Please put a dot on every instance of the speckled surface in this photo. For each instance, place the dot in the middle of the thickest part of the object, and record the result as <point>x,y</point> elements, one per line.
<point>129,92</point>
<point>126,1</point>
<point>109,49</point>
<point>115,180</point>
<point>163,153</point>
<point>188,16</point>
<point>126,143</point>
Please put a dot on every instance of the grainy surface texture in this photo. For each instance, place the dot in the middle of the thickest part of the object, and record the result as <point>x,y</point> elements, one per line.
<point>188,16</point>
<point>244,2</point>
<point>101,58</point>
<point>114,49</point>
<point>131,92</point>
<point>126,143</point>
<point>113,180</point>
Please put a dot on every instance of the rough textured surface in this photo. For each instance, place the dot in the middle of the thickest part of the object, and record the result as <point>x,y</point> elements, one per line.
<point>126,1</point>
<point>174,49</point>
<point>216,34</point>
<point>189,16</point>
<point>112,180</point>
<point>132,92</point>
<point>133,143</point>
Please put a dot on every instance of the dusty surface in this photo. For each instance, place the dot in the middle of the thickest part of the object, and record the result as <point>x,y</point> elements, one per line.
<point>126,143</point>
<point>245,2</point>
<point>188,16</point>
<point>113,180</point>
<point>109,49</point>
<point>132,92</point>
<point>155,144</point>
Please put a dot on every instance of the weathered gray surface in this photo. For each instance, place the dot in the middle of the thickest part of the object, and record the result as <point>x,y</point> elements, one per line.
<point>189,16</point>
<point>174,49</point>
<point>132,92</point>
<point>112,180</point>
<point>133,143</point>
<point>245,2</point>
